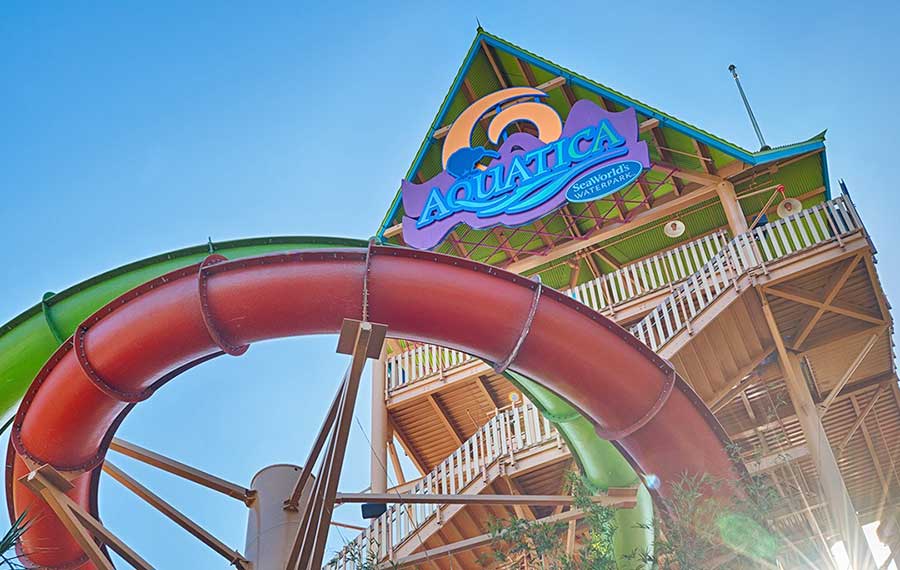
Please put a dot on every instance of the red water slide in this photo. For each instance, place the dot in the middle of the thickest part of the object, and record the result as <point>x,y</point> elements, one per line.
<point>135,344</point>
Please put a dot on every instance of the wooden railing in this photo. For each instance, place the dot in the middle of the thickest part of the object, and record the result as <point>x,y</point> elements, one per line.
<point>421,361</point>
<point>601,294</point>
<point>829,221</point>
<point>507,433</point>
<point>648,275</point>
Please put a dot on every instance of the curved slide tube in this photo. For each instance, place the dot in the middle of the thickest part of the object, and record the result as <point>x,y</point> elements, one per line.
<point>121,354</point>
<point>602,464</point>
<point>39,331</point>
<point>28,340</point>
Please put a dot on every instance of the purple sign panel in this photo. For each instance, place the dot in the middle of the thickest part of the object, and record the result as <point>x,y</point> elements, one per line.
<point>594,154</point>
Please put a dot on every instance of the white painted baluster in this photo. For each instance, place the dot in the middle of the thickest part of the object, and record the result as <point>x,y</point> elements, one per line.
<point>785,241</point>
<point>791,224</point>
<point>802,229</point>
<point>454,471</point>
<point>659,278</point>
<point>618,290</point>
<point>762,240</point>
<point>593,299</point>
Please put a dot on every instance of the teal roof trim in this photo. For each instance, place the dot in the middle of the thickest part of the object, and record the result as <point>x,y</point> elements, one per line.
<point>731,149</point>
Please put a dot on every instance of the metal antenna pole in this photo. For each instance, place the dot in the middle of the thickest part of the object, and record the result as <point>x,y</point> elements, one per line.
<point>759,135</point>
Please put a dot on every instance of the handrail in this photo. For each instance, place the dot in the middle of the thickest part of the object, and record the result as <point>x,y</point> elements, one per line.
<point>510,431</point>
<point>831,220</point>
<point>648,275</point>
<point>604,293</point>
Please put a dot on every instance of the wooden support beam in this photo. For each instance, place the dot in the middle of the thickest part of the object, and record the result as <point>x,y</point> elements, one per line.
<point>664,208</point>
<point>646,193</point>
<point>233,556</point>
<point>522,511</point>
<point>361,340</point>
<point>395,462</point>
<point>503,241</point>
<point>348,526</point>
<point>737,222</point>
<point>885,480</point>
<point>570,538</point>
<point>876,286</point>
<point>823,407</point>
<point>454,240</point>
<point>777,459</point>
<point>404,440</point>
<point>745,378</point>
<point>620,206</point>
<point>860,418</point>
<point>51,486</point>
<point>481,383</point>
<point>797,295</point>
<point>668,168</point>
<point>183,470</point>
<point>489,53</point>
<point>293,500</point>
<point>834,286</point>
<point>574,273</point>
<point>442,416</point>
<point>482,540</point>
<point>623,497</point>
<point>884,379</point>
<point>659,139</point>
<point>706,160</point>
<point>838,499</point>
<point>605,256</point>
<point>528,74</point>
<point>571,224</point>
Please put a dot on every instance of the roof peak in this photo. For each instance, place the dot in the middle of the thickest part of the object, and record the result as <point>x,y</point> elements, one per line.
<point>487,43</point>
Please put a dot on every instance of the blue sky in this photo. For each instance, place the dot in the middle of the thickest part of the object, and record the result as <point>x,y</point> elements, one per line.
<point>130,128</point>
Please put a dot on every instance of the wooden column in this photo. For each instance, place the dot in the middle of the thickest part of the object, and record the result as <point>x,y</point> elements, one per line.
<point>835,492</point>
<point>737,223</point>
<point>381,431</point>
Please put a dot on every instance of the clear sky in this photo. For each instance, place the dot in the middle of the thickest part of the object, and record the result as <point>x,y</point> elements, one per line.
<point>132,128</point>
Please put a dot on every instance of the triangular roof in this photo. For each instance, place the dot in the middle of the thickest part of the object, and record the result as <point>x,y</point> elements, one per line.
<point>684,158</point>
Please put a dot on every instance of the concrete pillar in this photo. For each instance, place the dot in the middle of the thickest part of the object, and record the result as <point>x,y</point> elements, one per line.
<point>380,427</point>
<point>271,528</point>
<point>836,496</point>
<point>737,223</point>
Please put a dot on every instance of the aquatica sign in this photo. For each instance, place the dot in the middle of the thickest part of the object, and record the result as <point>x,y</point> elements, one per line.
<point>592,155</point>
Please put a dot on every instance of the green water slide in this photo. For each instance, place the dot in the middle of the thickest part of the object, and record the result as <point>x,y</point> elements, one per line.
<point>603,466</point>
<point>30,338</point>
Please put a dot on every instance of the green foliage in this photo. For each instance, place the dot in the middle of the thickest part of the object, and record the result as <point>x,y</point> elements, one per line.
<point>8,557</point>
<point>697,530</point>
<point>542,545</point>
<point>366,559</point>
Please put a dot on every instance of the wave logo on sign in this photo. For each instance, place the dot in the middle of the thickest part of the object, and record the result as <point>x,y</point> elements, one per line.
<point>520,177</point>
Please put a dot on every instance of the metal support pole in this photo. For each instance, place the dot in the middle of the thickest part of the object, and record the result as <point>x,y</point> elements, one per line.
<point>270,527</point>
<point>182,470</point>
<point>234,557</point>
<point>380,428</point>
